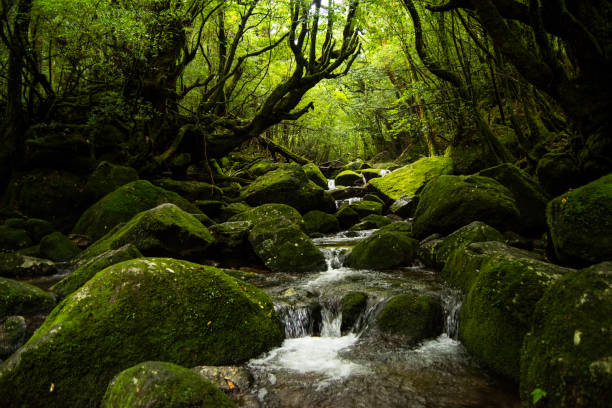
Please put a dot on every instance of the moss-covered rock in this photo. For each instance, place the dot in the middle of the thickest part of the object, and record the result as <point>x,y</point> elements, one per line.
<point>403,227</point>
<point>580,223</point>
<point>354,165</point>
<point>124,203</point>
<point>162,385</point>
<point>13,238</point>
<point>348,178</point>
<point>89,267</point>
<point>57,247</point>
<point>165,230</point>
<point>373,197</point>
<point>20,298</point>
<point>497,310</point>
<point>38,228</point>
<point>568,352</point>
<point>476,231</point>
<point>191,190</point>
<point>557,172</point>
<point>134,311</point>
<point>408,179</point>
<point>347,216</point>
<point>529,196</point>
<point>13,334</point>
<point>383,251</point>
<point>365,208</point>
<point>282,246</point>
<point>414,317</point>
<point>404,207</point>
<point>106,178</point>
<point>15,223</point>
<point>450,202</point>
<point>267,212</point>
<point>318,221</point>
<point>371,221</point>
<point>232,245</point>
<point>370,174</point>
<point>428,249</point>
<point>353,305</point>
<point>288,185</point>
<point>228,211</point>
<point>262,167</point>
<point>315,175</point>
<point>15,265</point>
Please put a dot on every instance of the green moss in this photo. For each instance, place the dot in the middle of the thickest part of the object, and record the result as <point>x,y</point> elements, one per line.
<point>124,203</point>
<point>162,385</point>
<point>365,208</point>
<point>87,269</point>
<point>353,305</point>
<point>315,175</point>
<point>106,178</point>
<point>12,238</point>
<point>269,212</point>
<point>373,197</point>
<point>231,244</point>
<point>370,174</point>
<point>403,227</point>
<point>19,298</point>
<point>348,178</point>
<point>474,232</point>
<point>134,311</point>
<point>57,247</point>
<point>282,246</point>
<point>347,216</point>
<point>450,202</point>
<point>408,179</point>
<point>428,249</point>
<point>262,167</point>
<point>371,221</point>
<point>228,211</point>
<point>191,190</point>
<point>414,317</point>
<point>580,223</point>
<point>16,265</point>
<point>383,251</point>
<point>318,221</point>
<point>38,228</point>
<point>567,353</point>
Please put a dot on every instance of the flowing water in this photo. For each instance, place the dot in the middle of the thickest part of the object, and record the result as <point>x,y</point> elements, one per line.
<point>319,365</point>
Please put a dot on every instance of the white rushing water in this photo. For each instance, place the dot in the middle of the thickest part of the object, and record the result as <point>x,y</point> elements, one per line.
<point>331,184</point>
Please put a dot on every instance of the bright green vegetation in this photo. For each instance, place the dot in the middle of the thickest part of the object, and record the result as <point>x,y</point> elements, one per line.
<point>315,175</point>
<point>134,311</point>
<point>124,203</point>
<point>567,352</point>
<point>348,178</point>
<point>414,317</point>
<point>407,180</point>
<point>162,385</point>
<point>382,251</point>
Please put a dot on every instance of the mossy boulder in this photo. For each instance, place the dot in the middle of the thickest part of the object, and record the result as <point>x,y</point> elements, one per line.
<point>13,334</point>
<point>450,202</point>
<point>353,165</point>
<point>106,178</point>
<point>38,228</point>
<point>347,216</point>
<point>530,198</point>
<point>580,223</point>
<point>232,244</point>
<point>165,230</point>
<point>348,178</point>
<point>557,172</point>
<point>568,352</point>
<point>89,267</point>
<point>13,238</point>
<point>191,190</point>
<point>318,221</point>
<point>404,206</point>
<point>383,251</point>
<point>412,316</point>
<point>282,246</point>
<point>315,175</point>
<point>370,174</point>
<point>15,265</point>
<point>403,227</point>
<point>408,179</point>
<point>229,210</point>
<point>15,223</point>
<point>124,203</point>
<point>371,221</point>
<point>134,311</point>
<point>162,385</point>
<point>267,212</point>
<point>58,247</point>
<point>288,185</point>
<point>365,208</point>
<point>428,250</point>
<point>20,298</point>
<point>498,307</point>
<point>353,305</point>
<point>373,197</point>
<point>476,231</point>
<point>262,167</point>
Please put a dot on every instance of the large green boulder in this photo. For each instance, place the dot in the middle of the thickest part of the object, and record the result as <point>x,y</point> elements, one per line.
<point>124,203</point>
<point>348,178</point>
<point>139,310</point>
<point>414,317</point>
<point>89,267</point>
<point>165,230</point>
<point>162,385</point>
<point>580,223</point>
<point>288,185</point>
<point>15,265</point>
<point>383,251</point>
<point>567,355</point>
<point>476,231</point>
<point>366,207</point>
<point>321,222</point>
<point>450,202</point>
<point>191,190</point>
<point>20,298</point>
<point>498,307</point>
<point>106,178</point>
<point>529,196</point>
<point>408,179</point>
<point>58,247</point>
<point>283,247</point>
<point>315,175</point>
<point>13,238</point>
<point>267,212</point>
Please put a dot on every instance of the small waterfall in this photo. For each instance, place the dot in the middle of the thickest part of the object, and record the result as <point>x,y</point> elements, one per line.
<point>298,320</point>
<point>333,257</point>
<point>451,302</point>
<point>331,314</point>
<point>368,316</point>
<point>384,172</point>
<point>348,201</point>
<point>331,184</point>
